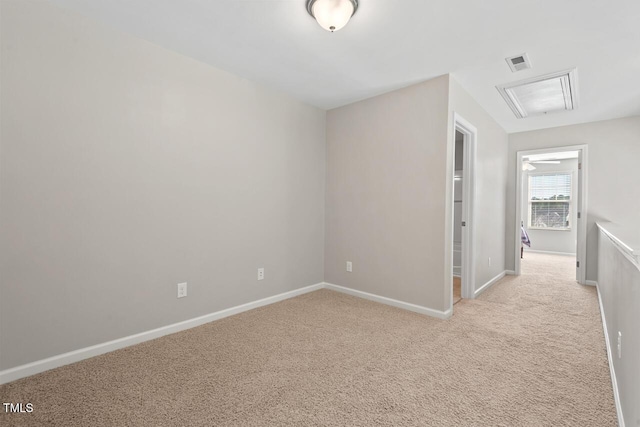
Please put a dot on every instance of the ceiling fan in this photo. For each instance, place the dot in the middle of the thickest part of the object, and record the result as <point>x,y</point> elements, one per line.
<point>547,158</point>
<point>527,165</point>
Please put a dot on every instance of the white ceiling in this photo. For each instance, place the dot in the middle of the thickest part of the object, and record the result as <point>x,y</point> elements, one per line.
<point>394,43</point>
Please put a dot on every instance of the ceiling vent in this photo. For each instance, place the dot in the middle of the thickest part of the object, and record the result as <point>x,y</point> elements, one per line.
<point>542,95</point>
<point>519,62</point>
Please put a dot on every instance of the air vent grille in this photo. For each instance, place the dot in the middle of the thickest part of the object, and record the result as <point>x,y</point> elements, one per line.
<point>519,62</point>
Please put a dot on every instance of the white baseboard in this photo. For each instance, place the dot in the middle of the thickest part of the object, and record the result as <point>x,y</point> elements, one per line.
<point>510,272</point>
<point>614,381</point>
<point>84,353</point>
<point>39,366</point>
<point>591,283</point>
<point>549,252</point>
<point>487,285</point>
<point>389,301</point>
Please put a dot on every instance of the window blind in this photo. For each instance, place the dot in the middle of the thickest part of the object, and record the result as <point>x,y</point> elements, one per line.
<point>550,201</point>
<point>550,187</point>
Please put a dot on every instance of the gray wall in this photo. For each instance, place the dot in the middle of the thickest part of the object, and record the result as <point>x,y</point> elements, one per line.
<point>613,150</point>
<point>126,169</point>
<point>386,193</point>
<point>389,193</point>
<point>619,287</point>
<point>563,241</point>
<point>491,181</point>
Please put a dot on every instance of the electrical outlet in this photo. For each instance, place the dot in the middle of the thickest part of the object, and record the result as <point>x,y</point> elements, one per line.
<point>261,274</point>
<point>489,261</point>
<point>182,290</point>
<point>349,266</point>
<point>619,345</point>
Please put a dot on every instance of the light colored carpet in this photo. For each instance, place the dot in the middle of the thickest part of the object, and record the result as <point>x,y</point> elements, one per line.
<point>529,352</point>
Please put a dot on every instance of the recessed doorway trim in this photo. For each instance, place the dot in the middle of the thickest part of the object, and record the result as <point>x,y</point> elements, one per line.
<point>581,204</point>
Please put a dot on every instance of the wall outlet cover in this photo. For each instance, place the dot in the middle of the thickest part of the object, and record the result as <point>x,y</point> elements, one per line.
<point>619,345</point>
<point>182,290</point>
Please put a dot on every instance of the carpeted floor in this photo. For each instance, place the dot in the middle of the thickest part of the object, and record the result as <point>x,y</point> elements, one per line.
<point>528,352</point>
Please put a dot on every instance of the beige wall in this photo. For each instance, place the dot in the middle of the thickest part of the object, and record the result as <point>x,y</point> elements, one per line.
<point>490,179</point>
<point>127,169</point>
<point>613,175</point>
<point>386,193</point>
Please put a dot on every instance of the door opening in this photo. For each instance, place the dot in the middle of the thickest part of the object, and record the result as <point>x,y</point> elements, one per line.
<point>458,206</point>
<point>551,207</point>
<point>461,275</point>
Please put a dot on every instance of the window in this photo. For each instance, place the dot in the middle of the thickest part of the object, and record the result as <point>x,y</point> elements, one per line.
<point>550,201</point>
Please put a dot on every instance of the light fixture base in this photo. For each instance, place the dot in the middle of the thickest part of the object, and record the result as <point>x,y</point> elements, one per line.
<point>310,4</point>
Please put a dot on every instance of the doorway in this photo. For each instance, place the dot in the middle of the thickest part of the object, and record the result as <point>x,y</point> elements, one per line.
<point>462,273</point>
<point>551,206</point>
<point>458,206</point>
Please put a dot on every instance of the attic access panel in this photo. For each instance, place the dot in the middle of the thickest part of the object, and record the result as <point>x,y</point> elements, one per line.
<point>541,95</point>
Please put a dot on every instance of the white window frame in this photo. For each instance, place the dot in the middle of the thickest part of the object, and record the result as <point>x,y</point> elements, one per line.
<point>530,202</point>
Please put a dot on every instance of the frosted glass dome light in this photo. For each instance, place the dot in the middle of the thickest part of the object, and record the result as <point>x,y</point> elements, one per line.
<point>332,14</point>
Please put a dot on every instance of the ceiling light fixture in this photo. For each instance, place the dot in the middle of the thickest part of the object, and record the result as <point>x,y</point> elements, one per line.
<point>332,14</point>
